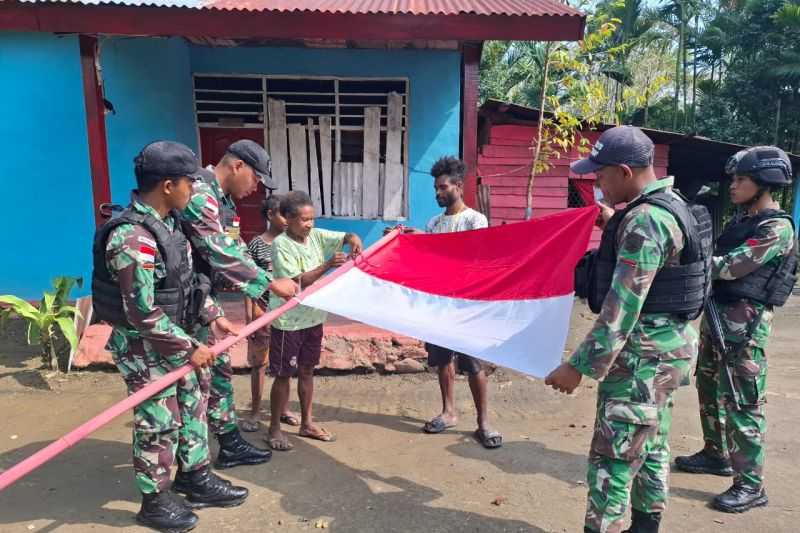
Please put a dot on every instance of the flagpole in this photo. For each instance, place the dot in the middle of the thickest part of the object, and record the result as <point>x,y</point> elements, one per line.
<point>53,449</point>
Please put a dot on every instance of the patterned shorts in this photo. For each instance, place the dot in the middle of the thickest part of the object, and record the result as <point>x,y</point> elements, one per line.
<point>289,350</point>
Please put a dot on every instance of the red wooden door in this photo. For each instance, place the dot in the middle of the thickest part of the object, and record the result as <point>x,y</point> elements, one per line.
<point>213,143</point>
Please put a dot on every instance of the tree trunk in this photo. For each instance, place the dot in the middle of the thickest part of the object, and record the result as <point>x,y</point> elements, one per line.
<point>676,101</point>
<point>694,72</point>
<point>776,141</point>
<point>538,147</point>
<point>685,68</point>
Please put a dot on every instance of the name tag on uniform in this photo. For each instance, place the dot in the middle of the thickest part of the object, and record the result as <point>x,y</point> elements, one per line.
<point>233,231</point>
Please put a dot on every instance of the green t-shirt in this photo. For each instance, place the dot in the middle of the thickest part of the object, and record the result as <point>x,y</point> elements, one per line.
<point>290,259</point>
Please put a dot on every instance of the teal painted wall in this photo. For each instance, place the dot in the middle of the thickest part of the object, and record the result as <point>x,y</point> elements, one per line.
<point>434,100</point>
<point>46,179</point>
<point>149,82</point>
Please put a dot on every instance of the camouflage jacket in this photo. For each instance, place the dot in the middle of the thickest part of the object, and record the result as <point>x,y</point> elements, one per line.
<point>133,260</point>
<point>648,238</point>
<point>228,258</point>
<point>774,239</point>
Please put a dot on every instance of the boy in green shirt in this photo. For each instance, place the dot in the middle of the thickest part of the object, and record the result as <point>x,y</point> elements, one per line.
<point>303,253</point>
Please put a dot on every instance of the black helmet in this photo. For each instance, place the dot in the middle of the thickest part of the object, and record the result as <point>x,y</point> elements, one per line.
<point>767,165</point>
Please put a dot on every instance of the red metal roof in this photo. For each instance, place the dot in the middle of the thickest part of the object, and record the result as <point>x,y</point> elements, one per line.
<point>376,20</point>
<point>406,7</point>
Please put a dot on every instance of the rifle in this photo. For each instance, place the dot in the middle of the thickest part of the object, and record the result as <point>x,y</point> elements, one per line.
<point>718,337</point>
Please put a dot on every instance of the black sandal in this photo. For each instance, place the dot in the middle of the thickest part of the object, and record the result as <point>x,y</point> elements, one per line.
<point>489,439</point>
<point>436,425</point>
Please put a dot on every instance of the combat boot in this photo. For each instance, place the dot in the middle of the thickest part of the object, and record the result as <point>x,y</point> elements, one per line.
<point>203,488</point>
<point>705,462</point>
<point>740,498</point>
<point>235,451</point>
<point>642,522</point>
<point>166,512</point>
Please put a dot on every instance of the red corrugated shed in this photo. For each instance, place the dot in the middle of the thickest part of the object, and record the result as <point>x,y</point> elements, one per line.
<point>504,163</point>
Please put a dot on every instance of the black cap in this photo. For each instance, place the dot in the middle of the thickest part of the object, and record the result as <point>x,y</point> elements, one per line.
<point>256,157</point>
<point>166,159</point>
<point>622,145</point>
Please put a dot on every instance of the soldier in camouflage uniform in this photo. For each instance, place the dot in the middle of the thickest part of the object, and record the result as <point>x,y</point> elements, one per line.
<point>756,249</point>
<point>212,225</point>
<point>141,283</point>
<point>640,357</point>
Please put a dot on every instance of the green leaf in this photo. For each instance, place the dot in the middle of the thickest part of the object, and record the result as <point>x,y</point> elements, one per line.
<point>63,286</point>
<point>47,302</point>
<point>70,333</point>
<point>20,307</point>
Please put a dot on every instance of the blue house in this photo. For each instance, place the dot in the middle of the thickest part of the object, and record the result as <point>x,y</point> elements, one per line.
<point>354,101</point>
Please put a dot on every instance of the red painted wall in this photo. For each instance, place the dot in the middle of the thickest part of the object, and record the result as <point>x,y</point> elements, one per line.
<point>504,163</point>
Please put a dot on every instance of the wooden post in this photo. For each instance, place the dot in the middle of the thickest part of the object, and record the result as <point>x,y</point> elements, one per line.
<point>470,87</point>
<point>313,165</point>
<point>95,125</point>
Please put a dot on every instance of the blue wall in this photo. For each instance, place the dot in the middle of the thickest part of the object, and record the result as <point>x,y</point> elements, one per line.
<point>47,189</point>
<point>149,82</point>
<point>46,180</point>
<point>434,99</point>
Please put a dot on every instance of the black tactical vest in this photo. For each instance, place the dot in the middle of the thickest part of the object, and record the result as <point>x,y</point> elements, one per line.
<point>681,289</point>
<point>173,294</point>
<point>769,285</point>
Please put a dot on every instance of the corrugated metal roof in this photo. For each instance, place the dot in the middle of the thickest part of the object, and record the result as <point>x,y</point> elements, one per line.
<point>393,7</point>
<point>406,7</point>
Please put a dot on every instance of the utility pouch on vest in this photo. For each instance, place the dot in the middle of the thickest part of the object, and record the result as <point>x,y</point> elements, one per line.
<point>197,298</point>
<point>584,272</point>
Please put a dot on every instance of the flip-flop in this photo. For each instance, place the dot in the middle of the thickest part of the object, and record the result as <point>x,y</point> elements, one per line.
<point>279,445</point>
<point>324,437</point>
<point>250,426</point>
<point>290,420</point>
<point>436,425</point>
<point>489,439</point>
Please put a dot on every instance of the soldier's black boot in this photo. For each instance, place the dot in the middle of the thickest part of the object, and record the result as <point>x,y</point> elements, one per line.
<point>235,451</point>
<point>740,498</point>
<point>705,462</point>
<point>166,512</point>
<point>203,488</point>
<point>642,522</point>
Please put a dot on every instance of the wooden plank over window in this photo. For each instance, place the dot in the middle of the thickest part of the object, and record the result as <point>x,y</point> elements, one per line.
<point>360,120</point>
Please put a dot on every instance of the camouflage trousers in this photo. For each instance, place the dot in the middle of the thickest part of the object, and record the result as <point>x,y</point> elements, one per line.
<point>221,407</point>
<point>166,428</point>
<point>629,455</point>
<point>734,425</point>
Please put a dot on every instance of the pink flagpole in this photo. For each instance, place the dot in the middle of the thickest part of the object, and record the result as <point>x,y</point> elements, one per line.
<point>36,460</point>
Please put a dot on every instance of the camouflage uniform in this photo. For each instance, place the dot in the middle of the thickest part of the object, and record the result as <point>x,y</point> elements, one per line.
<point>641,359</point>
<point>233,266</point>
<point>173,420</point>
<point>744,427</point>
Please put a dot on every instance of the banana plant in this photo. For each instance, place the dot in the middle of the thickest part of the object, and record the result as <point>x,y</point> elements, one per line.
<point>52,320</point>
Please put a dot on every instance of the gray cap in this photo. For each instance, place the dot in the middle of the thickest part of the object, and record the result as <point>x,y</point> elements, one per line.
<point>255,156</point>
<point>622,145</point>
<point>166,159</point>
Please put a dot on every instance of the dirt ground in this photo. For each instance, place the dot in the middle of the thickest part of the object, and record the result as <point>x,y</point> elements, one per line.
<point>383,474</point>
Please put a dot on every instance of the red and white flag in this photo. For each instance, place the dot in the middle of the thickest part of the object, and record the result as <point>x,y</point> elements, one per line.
<point>502,294</point>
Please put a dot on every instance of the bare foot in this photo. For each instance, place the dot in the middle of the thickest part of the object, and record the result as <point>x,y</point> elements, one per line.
<point>278,440</point>
<point>250,424</point>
